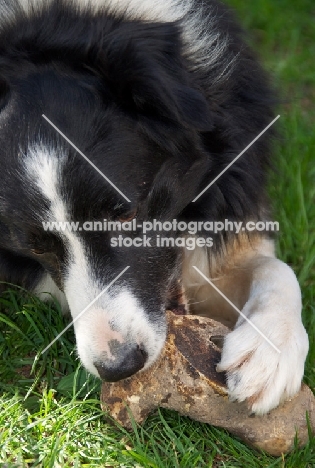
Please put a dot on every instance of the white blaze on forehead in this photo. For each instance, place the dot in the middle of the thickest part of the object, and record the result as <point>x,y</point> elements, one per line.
<point>44,167</point>
<point>44,170</point>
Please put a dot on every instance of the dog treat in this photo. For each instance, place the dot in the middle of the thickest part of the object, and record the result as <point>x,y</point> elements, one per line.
<point>184,379</point>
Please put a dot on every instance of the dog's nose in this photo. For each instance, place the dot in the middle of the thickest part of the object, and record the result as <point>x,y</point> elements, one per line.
<point>131,362</point>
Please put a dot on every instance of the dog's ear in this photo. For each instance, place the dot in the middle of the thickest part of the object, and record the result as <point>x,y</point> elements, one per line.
<point>148,76</point>
<point>4,93</point>
<point>173,189</point>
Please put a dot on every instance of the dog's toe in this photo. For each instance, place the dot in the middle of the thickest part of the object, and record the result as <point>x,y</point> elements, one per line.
<point>257,372</point>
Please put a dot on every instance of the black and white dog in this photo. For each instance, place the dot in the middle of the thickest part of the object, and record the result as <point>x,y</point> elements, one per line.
<point>160,96</point>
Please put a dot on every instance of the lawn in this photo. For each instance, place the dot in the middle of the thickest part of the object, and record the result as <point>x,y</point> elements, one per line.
<point>49,410</point>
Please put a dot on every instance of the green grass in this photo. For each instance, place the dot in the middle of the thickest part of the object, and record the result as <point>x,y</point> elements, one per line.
<point>49,409</point>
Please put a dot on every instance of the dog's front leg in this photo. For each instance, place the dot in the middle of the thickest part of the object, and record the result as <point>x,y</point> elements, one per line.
<point>265,367</point>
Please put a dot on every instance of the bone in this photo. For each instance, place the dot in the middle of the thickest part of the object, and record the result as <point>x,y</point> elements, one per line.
<point>184,379</point>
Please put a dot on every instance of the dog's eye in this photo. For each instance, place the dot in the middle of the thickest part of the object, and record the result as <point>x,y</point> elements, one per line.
<point>41,245</point>
<point>127,217</point>
<point>38,251</point>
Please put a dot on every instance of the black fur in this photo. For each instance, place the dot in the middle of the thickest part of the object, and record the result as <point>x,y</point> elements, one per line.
<point>128,95</point>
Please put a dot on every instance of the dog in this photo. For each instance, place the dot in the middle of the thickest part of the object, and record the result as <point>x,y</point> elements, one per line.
<point>160,98</point>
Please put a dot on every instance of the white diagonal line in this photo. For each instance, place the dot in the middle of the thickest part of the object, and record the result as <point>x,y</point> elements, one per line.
<point>84,310</point>
<point>83,156</point>
<point>237,310</point>
<point>235,159</point>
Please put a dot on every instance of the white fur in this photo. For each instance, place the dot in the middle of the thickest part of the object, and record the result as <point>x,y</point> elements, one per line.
<point>116,315</point>
<point>255,369</point>
<point>256,372</point>
<point>47,288</point>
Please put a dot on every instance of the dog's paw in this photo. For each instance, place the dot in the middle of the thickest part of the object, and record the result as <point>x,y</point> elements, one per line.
<point>256,372</point>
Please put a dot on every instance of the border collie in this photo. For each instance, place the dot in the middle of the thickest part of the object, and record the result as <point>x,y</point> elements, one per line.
<point>160,97</point>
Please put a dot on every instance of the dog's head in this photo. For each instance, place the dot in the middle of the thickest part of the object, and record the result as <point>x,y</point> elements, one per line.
<point>120,93</point>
